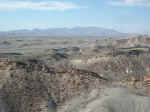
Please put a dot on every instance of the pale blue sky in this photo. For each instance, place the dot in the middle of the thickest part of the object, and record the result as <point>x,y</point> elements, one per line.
<point>122,15</point>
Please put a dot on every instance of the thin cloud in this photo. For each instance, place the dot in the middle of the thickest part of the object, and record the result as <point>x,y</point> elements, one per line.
<point>51,5</point>
<point>130,3</point>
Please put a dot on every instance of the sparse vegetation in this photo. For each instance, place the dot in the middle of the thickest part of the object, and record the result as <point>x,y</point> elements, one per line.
<point>36,76</point>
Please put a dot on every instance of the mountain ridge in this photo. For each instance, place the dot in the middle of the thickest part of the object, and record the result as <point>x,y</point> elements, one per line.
<point>75,31</point>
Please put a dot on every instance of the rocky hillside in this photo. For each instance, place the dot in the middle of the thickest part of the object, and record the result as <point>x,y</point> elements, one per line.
<point>30,86</point>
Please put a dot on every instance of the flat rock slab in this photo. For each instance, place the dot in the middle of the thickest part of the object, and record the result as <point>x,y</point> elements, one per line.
<point>113,100</point>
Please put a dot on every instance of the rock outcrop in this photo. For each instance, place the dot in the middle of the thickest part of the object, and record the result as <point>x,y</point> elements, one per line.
<point>31,85</point>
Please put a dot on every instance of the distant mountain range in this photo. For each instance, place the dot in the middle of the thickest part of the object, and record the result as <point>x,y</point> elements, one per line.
<point>76,31</point>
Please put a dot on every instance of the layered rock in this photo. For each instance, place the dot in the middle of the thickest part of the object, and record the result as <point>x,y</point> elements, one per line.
<point>31,85</point>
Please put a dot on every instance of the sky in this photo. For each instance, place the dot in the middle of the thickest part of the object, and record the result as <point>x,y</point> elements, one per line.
<point>130,16</point>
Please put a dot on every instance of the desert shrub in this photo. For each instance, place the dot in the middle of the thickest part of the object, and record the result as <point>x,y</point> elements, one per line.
<point>27,88</point>
<point>117,67</point>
